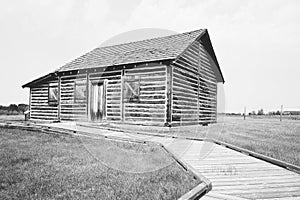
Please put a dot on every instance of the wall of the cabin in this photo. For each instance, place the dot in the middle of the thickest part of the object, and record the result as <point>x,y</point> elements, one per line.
<point>194,88</point>
<point>38,103</point>
<point>149,108</point>
<point>69,108</point>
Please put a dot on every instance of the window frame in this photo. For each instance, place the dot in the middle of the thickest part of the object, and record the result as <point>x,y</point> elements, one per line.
<point>52,101</point>
<point>77,84</point>
<point>127,80</point>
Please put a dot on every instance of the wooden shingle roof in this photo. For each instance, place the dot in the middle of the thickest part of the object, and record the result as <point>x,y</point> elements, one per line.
<point>149,50</point>
<point>162,48</point>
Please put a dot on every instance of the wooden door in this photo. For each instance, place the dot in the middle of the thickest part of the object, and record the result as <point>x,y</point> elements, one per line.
<point>97,101</point>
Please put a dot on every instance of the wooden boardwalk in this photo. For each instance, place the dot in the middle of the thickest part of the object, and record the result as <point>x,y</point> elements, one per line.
<point>234,175</point>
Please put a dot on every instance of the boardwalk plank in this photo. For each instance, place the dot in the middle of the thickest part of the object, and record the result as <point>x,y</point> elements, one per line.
<point>233,174</point>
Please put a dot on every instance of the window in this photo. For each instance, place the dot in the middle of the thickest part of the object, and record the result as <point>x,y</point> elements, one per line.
<point>80,90</point>
<point>132,88</point>
<point>53,94</point>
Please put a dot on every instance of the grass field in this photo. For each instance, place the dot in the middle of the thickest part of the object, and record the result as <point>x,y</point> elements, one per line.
<point>267,136</point>
<point>35,165</point>
<point>263,134</point>
<point>12,117</point>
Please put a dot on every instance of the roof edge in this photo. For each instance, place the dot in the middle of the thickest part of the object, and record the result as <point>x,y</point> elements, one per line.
<point>56,73</point>
<point>211,52</point>
<point>29,84</point>
<point>198,37</point>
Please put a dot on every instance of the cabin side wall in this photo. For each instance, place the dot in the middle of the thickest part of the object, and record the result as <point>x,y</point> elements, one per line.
<point>194,88</point>
<point>149,80</point>
<point>208,87</point>
<point>38,103</point>
<point>151,106</point>
<point>71,110</point>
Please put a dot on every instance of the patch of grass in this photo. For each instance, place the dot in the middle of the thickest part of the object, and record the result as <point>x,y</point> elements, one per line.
<point>35,165</point>
<point>267,136</point>
<point>11,117</point>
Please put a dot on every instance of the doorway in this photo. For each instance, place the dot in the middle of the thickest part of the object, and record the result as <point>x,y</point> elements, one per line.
<point>97,101</point>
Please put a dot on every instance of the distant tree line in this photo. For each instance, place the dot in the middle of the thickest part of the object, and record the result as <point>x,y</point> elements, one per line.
<point>274,113</point>
<point>14,109</point>
<point>259,112</point>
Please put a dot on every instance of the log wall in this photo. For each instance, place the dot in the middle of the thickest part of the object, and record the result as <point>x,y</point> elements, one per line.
<point>151,107</point>
<point>194,85</point>
<point>39,106</point>
<point>71,109</point>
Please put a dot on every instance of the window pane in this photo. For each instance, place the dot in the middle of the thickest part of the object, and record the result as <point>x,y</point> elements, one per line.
<point>80,90</point>
<point>132,88</point>
<point>53,94</point>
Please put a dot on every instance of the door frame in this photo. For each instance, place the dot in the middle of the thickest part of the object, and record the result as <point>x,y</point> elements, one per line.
<point>90,85</point>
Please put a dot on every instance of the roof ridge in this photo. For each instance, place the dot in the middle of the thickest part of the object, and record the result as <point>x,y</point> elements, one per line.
<point>172,35</point>
<point>109,52</point>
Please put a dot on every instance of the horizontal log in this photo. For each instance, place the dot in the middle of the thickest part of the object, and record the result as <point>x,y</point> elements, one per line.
<point>146,70</point>
<point>155,92</point>
<point>186,94</point>
<point>114,81</point>
<point>113,106</point>
<point>113,97</point>
<point>184,123</point>
<point>186,79</point>
<point>116,110</point>
<point>45,104</point>
<point>185,73</point>
<point>117,85</point>
<point>146,101</point>
<point>67,84</point>
<point>179,87</point>
<point>144,115</point>
<point>183,65</point>
<point>150,106</point>
<point>113,90</point>
<point>188,64</point>
<point>145,109</point>
<point>152,88</point>
<point>43,118</point>
<point>113,118</point>
<point>39,102</point>
<point>184,83</point>
<point>185,107</point>
<point>131,118</point>
<point>43,115</point>
<point>39,89</point>
<point>115,73</point>
<point>113,114</point>
<point>185,111</point>
<point>113,93</point>
<point>184,103</point>
<point>113,102</point>
<point>151,97</point>
<point>101,78</point>
<point>73,112</point>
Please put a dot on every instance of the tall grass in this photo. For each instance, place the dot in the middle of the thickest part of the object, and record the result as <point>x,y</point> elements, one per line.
<point>36,165</point>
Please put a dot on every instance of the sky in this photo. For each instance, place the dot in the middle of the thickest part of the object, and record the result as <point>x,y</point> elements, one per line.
<point>256,42</point>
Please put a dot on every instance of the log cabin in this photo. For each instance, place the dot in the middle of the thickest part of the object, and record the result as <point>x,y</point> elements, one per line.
<point>165,81</point>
